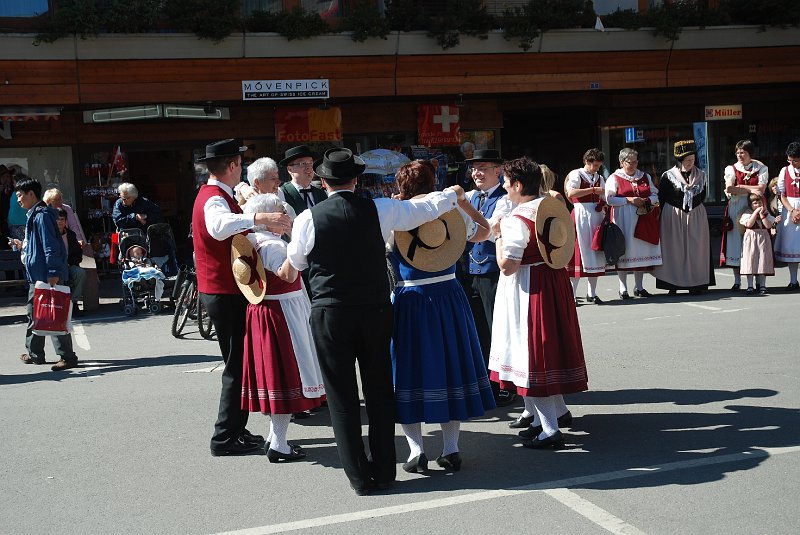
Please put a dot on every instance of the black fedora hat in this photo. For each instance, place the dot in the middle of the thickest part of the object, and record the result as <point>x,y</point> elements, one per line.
<point>485,155</point>
<point>300,151</point>
<point>339,165</point>
<point>223,149</point>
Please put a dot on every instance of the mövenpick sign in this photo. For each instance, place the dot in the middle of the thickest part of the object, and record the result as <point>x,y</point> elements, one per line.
<point>285,89</point>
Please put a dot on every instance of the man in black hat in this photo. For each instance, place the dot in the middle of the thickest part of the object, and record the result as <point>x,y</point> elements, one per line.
<point>341,242</point>
<point>480,262</point>
<point>299,192</point>
<point>216,218</point>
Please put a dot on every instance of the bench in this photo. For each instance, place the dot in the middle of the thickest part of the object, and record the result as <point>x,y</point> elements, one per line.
<point>12,270</point>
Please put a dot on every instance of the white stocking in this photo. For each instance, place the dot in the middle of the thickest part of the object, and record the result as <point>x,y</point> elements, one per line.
<point>413,434</point>
<point>575,281</point>
<point>561,407</point>
<point>278,427</point>
<point>592,286</point>
<point>623,281</point>
<point>547,412</point>
<point>450,432</point>
<point>638,277</point>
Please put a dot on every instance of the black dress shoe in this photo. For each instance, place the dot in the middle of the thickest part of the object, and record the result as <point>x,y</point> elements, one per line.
<point>278,457</point>
<point>239,447</point>
<point>450,462</point>
<point>417,465</point>
<point>504,398</point>
<point>250,437</point>
<point>565,420</point>
<point>553,442</point>
<point>301,415</point>
<point>641,293</point>
<point>736,287</point>
<point>294,447</point>
<point>521,422</point>
<point>624,295</point>
<point>793,287</point>
<point>596,300</point>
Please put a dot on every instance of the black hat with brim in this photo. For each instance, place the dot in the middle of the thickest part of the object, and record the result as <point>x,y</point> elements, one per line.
<point>300,151</point>
<point>223,149</point>
<point>485,155</point>
<point>339,165</point>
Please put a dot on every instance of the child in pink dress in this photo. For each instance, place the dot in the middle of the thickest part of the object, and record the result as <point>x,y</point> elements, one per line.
<point>756,244</point>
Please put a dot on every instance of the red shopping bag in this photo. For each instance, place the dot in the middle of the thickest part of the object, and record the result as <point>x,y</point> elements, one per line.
<point>52,310</point>
<point>599,234</point>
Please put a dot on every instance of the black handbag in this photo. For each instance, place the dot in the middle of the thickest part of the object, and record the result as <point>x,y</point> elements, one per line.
<point>613,242</point>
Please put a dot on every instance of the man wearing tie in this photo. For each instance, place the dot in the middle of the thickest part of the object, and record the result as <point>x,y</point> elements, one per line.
<point>480,264</point>
<point>299,192</point>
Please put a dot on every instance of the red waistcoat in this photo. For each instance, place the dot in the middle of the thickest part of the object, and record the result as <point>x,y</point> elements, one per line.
<point>788,186</point>
<point>637,188</point>
<point>589,197</point>
<point>742,178</point>
<point>212,257</point>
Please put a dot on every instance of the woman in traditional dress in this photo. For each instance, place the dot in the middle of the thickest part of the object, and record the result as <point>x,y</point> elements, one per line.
<point>281,375</point>
<point>787,243</point>
<point>744,177</point>
<point>536,339</point>
<point>630,191</point>
<point>585,188</point>
<point>685,241</point>
<point>439,371</point>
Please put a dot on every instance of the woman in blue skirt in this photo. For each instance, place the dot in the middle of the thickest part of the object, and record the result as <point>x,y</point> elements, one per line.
<point>439,372</point>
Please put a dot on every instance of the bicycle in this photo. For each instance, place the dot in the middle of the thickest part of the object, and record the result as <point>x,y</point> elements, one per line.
<point>189,305</point>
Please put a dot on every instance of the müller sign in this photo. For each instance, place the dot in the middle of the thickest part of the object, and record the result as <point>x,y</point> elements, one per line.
<point>285,89</point>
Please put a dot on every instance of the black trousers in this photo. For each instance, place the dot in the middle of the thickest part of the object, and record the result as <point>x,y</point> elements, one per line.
<point>344,336</point>
<point>481,290</point>
<point>228,313</point>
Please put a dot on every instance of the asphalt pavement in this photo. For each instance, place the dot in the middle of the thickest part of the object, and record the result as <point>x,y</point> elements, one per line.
<point>691,425</point>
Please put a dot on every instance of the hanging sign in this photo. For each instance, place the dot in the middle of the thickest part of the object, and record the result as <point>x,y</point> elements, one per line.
<point>723,113</point>
<point>438,125</point>
<point>306,125</point>
<point>285,89</point>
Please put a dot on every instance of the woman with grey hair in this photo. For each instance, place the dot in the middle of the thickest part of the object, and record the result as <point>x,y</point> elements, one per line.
<point>263,177</point>
<point>281,375</point>
<point>133,211</point>
<point>631,192</point>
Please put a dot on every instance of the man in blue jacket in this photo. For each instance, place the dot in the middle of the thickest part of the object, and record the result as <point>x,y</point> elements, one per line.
<point>45,259</point>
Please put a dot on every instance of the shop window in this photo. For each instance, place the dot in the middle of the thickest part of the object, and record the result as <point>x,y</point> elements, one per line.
<point>272,6</point>
<point>23,8</point>
<point>327,9</point>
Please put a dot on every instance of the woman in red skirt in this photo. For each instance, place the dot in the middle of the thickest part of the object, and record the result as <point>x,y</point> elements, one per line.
<point>281,375</point>
<point>536,340</point>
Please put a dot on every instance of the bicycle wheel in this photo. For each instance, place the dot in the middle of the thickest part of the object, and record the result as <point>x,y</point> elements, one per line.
<point>204,320</point>
<point>182,307</point>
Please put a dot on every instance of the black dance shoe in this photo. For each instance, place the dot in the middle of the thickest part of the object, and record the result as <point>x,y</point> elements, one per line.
<point>450,462</point>
<point>565,420</point>
<point>417,465</point>
<point>503,398</point>
<point>736,287</point>
<point>596,300</point>
<point>521,422</point>
<point>553,442</point>
<point>624,295</point>
<point>641,293</point>
<point>793,287</point>
<point>278,457</point>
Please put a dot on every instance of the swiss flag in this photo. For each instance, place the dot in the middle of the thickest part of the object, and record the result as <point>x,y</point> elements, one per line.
<point>438,125</point>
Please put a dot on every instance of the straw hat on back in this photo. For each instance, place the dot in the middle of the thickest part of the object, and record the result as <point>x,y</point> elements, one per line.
<point>555,232</point>
<point>248,270</point>
<point>435,245</point>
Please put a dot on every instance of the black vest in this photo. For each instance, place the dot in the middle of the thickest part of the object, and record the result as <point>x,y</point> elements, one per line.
<point>347,266</point>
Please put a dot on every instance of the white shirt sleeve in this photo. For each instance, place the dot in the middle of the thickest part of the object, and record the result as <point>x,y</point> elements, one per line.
<point>611,193</point>
<point>273,253</point>
<point>407,215</point>
<point>780,185</point>
<point>302,241</point>
<point>516,236</point>
<point>653,190</point>
<point>472,226</point>
<point>573,181</point>
<point>763,175</point>
<point>221,223</point>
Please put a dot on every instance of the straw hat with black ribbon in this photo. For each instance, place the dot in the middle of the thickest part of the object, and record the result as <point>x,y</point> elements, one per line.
<point>435,245</point>
<point>248,270</point>
<point>555,232</point>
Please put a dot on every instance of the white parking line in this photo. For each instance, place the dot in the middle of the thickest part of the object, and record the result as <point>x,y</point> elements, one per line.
<point>599,516</point>
<point>704,307</point>
<point>517,491</point>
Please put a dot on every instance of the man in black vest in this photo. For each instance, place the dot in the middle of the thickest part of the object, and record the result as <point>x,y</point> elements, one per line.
<point>342,244</point>
<point>299,193</point>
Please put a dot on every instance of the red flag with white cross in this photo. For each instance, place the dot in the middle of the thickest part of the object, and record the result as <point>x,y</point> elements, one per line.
<point>438,125</point>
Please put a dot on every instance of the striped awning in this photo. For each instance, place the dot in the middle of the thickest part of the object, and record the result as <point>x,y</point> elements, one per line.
<point>29,114</point>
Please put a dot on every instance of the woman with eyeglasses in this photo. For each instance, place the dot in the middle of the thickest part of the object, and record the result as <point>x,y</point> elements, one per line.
<point>631,193</point>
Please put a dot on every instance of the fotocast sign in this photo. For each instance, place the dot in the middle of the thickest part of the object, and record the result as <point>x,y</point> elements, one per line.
<point>285,89</point>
